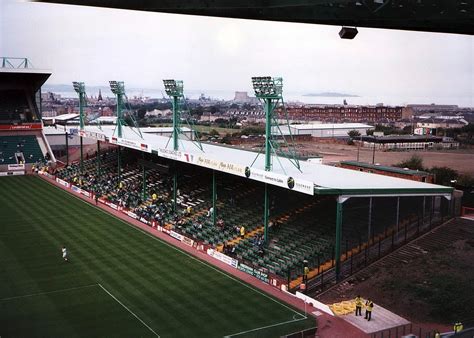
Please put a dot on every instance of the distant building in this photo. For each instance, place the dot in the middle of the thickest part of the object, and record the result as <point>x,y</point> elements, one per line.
<point>422,108</point>
<point>414,175</point>
<point>241,97</point>
<point>323,130</point>
<point>107,111</point>
<point>406,142</point>
<point>348,113</point>
<point>441,123</point>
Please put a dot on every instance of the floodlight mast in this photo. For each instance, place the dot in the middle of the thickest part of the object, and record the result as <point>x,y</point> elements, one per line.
<point>80,88</point>
<point>269,90</point>
<point>174,89</point>
<point>118,88</point>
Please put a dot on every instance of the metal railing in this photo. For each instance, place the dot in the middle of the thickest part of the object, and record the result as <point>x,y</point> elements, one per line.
<point>15,63</point>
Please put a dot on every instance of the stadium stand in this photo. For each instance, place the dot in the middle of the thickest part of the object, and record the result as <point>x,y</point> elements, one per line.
<point>301,227</point>
<point>17,149</point>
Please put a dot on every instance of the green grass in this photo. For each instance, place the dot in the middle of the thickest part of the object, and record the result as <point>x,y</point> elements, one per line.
<point>120,282</point>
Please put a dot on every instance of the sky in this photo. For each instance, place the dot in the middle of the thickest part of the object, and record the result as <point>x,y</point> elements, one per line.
<point>96,45</point>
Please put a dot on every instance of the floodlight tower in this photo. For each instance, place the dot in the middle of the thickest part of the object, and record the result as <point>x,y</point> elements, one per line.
<point>118,88</point>
<point>80,89</point>
<point>174,89</point>
<point>270,91</point>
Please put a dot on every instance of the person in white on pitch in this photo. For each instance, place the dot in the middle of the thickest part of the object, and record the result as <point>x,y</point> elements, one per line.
<point>64,253</point>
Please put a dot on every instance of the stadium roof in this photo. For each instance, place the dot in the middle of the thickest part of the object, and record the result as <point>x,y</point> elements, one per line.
<point>30,77</point>
<point>61,118</point>
<point>404,171</point>
<point>314,178</point>
<point>448,16</point>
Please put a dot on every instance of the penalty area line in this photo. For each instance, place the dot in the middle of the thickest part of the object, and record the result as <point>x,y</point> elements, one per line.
<point>126,308</point>
<point>48,292</point>
<point>265,327</point>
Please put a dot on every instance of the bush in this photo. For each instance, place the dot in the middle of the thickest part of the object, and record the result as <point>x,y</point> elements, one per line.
<point>444,175</point>
<point>415,163</point>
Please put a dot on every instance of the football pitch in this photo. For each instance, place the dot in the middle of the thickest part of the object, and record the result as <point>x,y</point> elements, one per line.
<point>119,281</point>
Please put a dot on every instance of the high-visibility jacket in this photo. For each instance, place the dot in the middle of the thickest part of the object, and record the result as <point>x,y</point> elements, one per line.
<point>242,231</point>
<point>306,270</point>
<point>154,197</point>
<point>369,305</point>
<point>358,301</point>
<point>458,327</point>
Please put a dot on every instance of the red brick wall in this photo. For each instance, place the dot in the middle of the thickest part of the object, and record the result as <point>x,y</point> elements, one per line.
<point>418,178</point>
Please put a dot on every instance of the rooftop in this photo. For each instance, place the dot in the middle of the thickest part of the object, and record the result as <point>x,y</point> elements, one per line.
<point>330,126</point>
<point>376,166</point>
<point>313,178</point>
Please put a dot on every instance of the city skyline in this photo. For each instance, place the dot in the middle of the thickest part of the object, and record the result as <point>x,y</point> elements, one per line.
<point>95,45</point>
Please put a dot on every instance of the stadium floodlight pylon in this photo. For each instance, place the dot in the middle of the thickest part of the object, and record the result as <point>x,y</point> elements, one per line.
<point>175,90</point>
<point>80,89</point>
<point>118,88</point>
<point>270,91</point>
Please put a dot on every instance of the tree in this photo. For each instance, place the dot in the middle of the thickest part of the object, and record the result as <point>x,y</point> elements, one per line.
<point>226,139</point>
<point>353,133</point>
<point>214,109</point>
<point>415,163</point>
<point>214,132</point>
<point>444,175</point>
<point>141,113</point>
<point>199,110</point>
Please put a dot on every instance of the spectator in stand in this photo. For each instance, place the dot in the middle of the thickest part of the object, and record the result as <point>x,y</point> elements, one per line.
<point>210,212</point>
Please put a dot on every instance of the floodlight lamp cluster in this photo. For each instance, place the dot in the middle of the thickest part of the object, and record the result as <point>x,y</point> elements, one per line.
<point>267,87</point>
<point>117,87</point>
<point>79,87</point>
<point>173,87</point>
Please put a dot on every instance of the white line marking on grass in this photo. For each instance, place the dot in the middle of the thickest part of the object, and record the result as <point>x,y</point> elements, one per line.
<point>126,308</point>
<point>183,252</point>
<point>48,292</point>
<point>264,327</point>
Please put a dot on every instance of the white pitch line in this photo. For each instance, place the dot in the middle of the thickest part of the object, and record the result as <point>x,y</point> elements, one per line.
<point>47,292</point>
<point>126,308</point>
<point>264,327</point>
<point>185,253</point>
